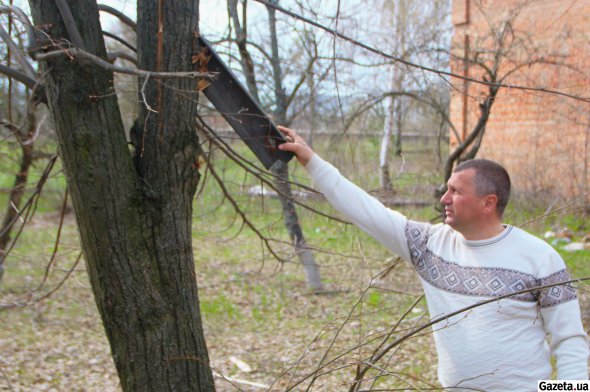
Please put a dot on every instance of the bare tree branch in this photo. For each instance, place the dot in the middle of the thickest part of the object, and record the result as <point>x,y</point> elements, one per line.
<point>30,301</point>
<point>23,18</point>
<point>439,72</point>
<point>241,41</point>
<point>258,172</point>
<point>122,17</point>
<point>18,53</point>
<point>68,18</point>
<point>124,70</point>
<point>238,210</point>
<point>121,54</point>
<point>119,39</point>
<point>19,76</point>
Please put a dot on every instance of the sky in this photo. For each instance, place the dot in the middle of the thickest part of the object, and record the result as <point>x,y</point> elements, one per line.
<point>214,10</point>
<point>354,15</point>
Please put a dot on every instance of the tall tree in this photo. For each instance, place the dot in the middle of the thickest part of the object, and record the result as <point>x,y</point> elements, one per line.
<point>134,216</point>
<point>392,122</point>
<point>493,58</point>
<point>281,104</point>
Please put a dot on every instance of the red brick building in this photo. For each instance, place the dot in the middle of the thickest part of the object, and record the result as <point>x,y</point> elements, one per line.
<point>542,138</point>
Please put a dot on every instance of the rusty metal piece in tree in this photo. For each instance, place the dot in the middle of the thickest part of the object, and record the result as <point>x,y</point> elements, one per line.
<point>240,110</point>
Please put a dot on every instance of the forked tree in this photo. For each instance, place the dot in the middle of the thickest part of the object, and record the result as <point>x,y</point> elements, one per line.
<point>134,216</point>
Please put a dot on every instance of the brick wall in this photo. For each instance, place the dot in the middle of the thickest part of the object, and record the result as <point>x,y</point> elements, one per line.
<point>543,139</point>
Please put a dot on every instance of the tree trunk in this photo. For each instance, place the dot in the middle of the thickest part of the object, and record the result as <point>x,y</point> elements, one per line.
<point>281,170</point>
<point>313,113</point>
<point>392,122</point>
<point>306,257</point>
<point>388,124</point>
<point>472,140</point>
<point>241,41</point>
<point>20,182</point>
<point>135,225</point>
<point>398,125</point>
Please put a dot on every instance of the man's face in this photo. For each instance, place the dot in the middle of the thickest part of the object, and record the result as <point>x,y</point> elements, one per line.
<point>463,209</point>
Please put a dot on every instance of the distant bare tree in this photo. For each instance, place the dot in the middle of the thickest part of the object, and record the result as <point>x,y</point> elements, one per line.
<point>493,58</point>
<point>415,33</point>
<point>19,119</point>
<point>392,121</point>
<point>281,104</point>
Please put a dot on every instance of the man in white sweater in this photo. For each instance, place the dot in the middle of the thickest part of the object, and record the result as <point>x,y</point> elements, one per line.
<point>500,346</point>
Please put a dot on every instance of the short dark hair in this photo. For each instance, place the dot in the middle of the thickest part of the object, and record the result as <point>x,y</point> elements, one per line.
<point>490,179</point>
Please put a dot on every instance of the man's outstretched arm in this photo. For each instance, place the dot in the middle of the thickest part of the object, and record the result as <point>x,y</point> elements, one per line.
<point>383,224</point>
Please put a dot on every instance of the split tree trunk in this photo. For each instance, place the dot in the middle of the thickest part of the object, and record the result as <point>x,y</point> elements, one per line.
<point>135,225</point>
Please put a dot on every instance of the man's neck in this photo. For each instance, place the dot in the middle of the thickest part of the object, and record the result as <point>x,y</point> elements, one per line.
<point>484,233</point>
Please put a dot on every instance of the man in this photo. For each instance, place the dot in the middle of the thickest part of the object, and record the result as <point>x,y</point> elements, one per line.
<point>500,346</point>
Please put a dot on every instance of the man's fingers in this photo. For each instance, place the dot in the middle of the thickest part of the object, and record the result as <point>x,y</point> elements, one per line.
<point>296,145</point>
<point>290,146</point>
<point>290,134</point>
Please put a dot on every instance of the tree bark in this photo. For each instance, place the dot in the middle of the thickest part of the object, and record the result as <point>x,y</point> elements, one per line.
<point>135,220</point>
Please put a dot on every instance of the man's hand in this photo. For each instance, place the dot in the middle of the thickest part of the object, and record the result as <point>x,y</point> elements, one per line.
<point>296,145</point>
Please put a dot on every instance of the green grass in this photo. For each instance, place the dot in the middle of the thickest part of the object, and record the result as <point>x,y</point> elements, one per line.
<point>219,306</point>
<point>54,186</point>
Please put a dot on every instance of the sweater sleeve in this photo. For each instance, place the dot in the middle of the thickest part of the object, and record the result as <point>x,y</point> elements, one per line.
<point>383,224</point>
<point>560,309</point>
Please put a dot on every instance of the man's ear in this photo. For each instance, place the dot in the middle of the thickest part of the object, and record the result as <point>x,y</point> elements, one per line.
<point>490,202</point>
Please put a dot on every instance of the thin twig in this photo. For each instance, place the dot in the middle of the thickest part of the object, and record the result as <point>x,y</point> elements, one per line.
<point>555,211</point>
<point>147,105</point>
<point>57,241</point>
<point>34,136</point>
<point>119,39</point>
<point>30,301</point>
<point>245,219</point>
<point>18,53</point>
<point>23,19</point>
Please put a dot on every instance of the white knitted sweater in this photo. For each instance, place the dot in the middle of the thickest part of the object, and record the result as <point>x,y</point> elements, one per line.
<point>500,346</point>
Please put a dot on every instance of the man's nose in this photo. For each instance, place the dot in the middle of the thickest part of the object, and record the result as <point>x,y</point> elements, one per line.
<point>444,198</point>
